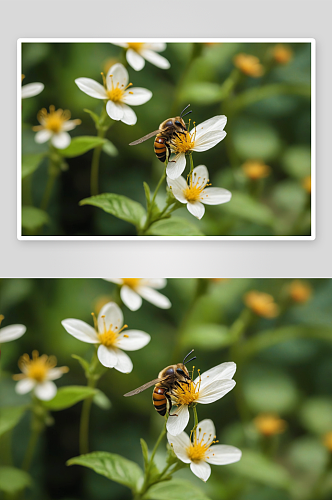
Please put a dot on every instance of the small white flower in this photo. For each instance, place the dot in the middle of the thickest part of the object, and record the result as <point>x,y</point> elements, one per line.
<point>31,89</point>
<point>54,126</point>
<point>108,332</point>
<point>195,194</point>
<point>206,388</point>
<point>138,52</point>
<point>201,138</point>
<point>133,289</point>
<point>117,92</point>
<point>202,451</point>
<point>11,332</point>
<point>37,376</point>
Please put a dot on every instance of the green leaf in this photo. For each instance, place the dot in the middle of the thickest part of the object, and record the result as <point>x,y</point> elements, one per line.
<point>145,452</point>
<point>69,396</point>
<point>309,454</point>
<point>297,161</point>
<point>316,415</point>
<point>147,192</point>
<point>109,148</point>
<point>245,207</point>
<point>30,163</point>
<point>201,93</point>
<point>13,480</point>
<point>176,489</point>
<point>176,226</point>
<point>84,364</point>
<point>112,466</point>
<point>120,206</point>
<point>207,337</point>
<point>33,218</point>
<point>80,145</point>
<point>256,139</point>
<point>93,115</point>
<point>10,417</point>
<point>100,399</point>
<point>256,467</point>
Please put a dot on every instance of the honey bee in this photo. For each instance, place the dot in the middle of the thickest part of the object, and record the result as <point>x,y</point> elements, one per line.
<point>165,134</point>
<point>170,377</point>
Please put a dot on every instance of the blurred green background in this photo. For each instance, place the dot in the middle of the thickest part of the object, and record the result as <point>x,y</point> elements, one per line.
<point>284,366</point>
<point>268,121</point>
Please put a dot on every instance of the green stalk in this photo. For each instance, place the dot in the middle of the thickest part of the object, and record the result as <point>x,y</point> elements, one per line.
<point>95,166</point>
<point>85,419</point>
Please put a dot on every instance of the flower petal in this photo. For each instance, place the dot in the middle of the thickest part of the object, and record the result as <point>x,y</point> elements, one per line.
<point>156,298</point>
<point>224,371</point>
<point>176,166</point>
<point>91,88</point>
<point>180,443</point>
<point>124,364</point>
<point>215,391</point>
<point>215,196</point>
<point>156,46</point>
<point>205,431</point>
<point>221,454</point>
<point>200,176</point>
<point>46,390</point>
<point>135,60</point>
<point>130,298</point>
<point>61,141</point>
<point>132,340</point>
<point>110,317</point>
<point>136,96</point>
<point>107,356</point>
<point>201,469</point>
<point>114,110</point>
<point>25,385</point>
<point>70,125</point>
<point>55,373</point>
<point>32,89</point>
<point>129,116</point>
<point>176,424</point>
<point>196,209</point>
<point>43,136</point>
<point>208,140</point>
<point>80,330</point>
<point>118,281</point>
<point>215,123</point>
<point>156,59</point>
<point>12,332</point>
<point>118,74</point>
<point>178,187</point>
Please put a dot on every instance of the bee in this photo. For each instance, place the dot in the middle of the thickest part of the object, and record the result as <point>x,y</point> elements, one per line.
<point>170,377</point>
<point>165,134</point>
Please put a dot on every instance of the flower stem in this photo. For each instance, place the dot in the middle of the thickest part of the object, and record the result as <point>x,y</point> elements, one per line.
<point>191,164</point>
<point>150,217</point>
<point>48,191</point>
<point>37,426</point>
<point>160,438</point>
<point>30,450</point>
<point>95,166</point>
<point>85,419</point>
<point>195,419</point>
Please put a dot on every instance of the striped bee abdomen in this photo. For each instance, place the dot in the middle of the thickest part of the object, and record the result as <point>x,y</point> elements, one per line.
<point>160,148</point>
<point>159,400</point>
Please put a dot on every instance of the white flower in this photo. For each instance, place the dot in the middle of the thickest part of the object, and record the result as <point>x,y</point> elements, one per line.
<point>133,289</point>
<point>11,332</point>
<point>117,92</point>
<point>32,89</point>
<point>138,52</point>
<point>54,126</point>
<point>201,138</point>
<point>202,451</point>
<point>108,332</point>
<point>195,194</point>
<point>37,376</point>
<point>206,388</point>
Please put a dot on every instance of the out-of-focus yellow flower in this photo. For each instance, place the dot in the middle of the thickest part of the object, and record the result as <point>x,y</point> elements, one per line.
<point>255,169</point>
<point>300,291</point>
<point>261,304</point>
<point>282,54</point>
<point>270,424</point>
<point>216,280</point>
<point>249,65</point>
<point>1,318</point>
<point>306,183</point>
<point>327,440</point>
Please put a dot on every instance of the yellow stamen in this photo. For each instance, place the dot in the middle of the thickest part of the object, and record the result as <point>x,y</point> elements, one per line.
<point>53,120</point>
<point>187,393</point>
<point>109,337</point>
<point>131,282</point>
<point>198,449</point>
<point>135,46</point>
<point>194,189</point>
<point>116,93</point>
<point>37,367</point>
<point>182,143</point>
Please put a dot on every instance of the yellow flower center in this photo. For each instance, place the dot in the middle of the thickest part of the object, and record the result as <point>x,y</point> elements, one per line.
<point>38,367</point>
<point>53,120</point>
<point>194,189</point>
<point>256,170</point>
<point>131,282</point>
<point>249,65</point>
<point>116,93</point>
<point>198,449</point>
<point>300,291</point>
<point>282,54</point>
<point>269,424</point>
<point>109,337</point>
<point>135,46</point>
<point>186,393</point>
<point>182,143</point>
<point>262,304</point>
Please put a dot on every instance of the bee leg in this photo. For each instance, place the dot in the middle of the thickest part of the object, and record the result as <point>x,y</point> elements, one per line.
<point>170,406</point>
<point>169,154</point>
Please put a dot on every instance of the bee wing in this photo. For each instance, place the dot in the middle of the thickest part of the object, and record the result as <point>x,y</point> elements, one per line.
<point>145,138</point>
<point>143,387</point>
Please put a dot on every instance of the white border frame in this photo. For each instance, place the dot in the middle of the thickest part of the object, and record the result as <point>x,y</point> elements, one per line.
<point>312,41</point>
